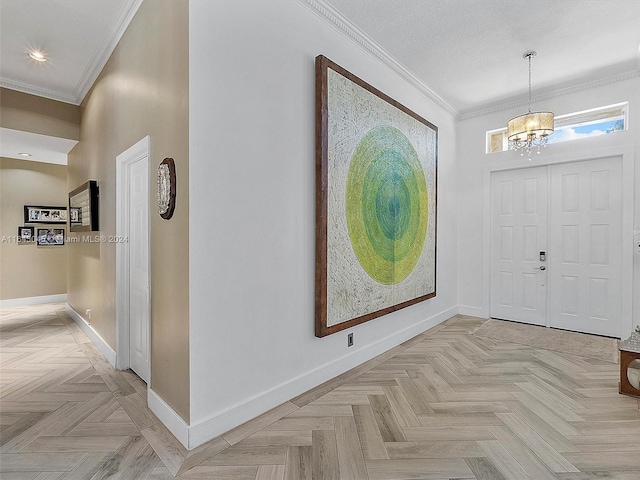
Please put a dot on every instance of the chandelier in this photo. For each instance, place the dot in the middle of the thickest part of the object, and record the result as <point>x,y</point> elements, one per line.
<point>532,129</point>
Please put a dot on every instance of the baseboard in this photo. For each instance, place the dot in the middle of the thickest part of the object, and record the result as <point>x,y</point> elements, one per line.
<point>471,311</point>
<point>26,301</point>
<point>97,340</point>
<point>236,415</point>
<point>168,417</point>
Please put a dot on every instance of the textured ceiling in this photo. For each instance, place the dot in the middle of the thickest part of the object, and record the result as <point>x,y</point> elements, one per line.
<point>470,51</point>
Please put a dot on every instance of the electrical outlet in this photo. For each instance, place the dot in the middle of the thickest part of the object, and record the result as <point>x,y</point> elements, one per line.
<point>350,340</point>
<point>88,312</point>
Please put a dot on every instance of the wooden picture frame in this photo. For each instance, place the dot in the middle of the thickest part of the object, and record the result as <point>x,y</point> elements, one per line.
<point>376,193</point>
<point>84,208</point>
<point>166,188</point>
<point>26,235</point>
<point>45,214</point>
<point>50,237</point>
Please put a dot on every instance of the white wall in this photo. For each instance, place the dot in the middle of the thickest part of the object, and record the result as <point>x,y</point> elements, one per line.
<point>252,210</point>
<point>473,165</point>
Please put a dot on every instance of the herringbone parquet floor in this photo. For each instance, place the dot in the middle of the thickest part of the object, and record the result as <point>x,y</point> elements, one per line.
<point>444,405</point>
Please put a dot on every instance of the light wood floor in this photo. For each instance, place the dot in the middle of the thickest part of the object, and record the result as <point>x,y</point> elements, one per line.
<point>445,405</point>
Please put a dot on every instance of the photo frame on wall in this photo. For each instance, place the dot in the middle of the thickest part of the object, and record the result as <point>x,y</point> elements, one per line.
<point>26,235</point>
<point>50,237</point>
<point>376,191</point>
<point>45,214</point>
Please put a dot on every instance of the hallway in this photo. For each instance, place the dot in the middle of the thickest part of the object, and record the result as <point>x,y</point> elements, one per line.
<point>445,404</point>
<point>64,409</point>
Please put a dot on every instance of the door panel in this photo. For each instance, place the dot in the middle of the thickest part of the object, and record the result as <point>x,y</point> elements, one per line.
<point>586,231</point>
<point>138,268</point>
<point>519,233</point>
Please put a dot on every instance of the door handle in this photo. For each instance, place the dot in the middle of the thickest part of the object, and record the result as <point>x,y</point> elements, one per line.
<point>541,267</point>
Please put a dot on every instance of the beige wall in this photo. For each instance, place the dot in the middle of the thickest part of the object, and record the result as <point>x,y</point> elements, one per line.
<point>27,270</point>
<point>143,90</point>
<point>28,113</point>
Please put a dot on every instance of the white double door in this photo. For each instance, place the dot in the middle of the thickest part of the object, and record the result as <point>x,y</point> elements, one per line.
<point>556,243</point>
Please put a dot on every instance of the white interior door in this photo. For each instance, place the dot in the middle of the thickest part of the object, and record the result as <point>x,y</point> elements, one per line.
<point>138,241</point>
<point>574,209</point>
<point>518,235</point>
<point>585,267</point>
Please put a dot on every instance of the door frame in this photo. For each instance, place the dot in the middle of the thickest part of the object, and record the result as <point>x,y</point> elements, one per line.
<point>123,161</point>
<point>628,175</point>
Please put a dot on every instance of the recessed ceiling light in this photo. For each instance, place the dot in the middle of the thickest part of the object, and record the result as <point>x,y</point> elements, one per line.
<point>24,154</point>
<point>38,56</point>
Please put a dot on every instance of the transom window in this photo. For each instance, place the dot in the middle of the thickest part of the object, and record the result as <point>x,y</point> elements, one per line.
<point>573,126</point>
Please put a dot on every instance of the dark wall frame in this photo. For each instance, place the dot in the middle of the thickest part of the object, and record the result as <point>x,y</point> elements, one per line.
<point>31,210</point>
<point>76,224</point>
<point>322,65</point>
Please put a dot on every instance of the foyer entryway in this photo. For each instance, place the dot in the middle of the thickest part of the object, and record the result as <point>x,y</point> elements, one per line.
<point>556,245</point>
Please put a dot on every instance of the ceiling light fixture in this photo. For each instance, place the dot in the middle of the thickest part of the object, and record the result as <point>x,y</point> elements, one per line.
<point>532,129</point>
<point>24,154</point>
<point>38,56</point>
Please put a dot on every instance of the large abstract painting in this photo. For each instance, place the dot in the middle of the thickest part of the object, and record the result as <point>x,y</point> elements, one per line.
<point>376,169</point>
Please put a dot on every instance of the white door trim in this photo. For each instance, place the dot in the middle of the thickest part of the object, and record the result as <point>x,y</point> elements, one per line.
<point>126,158</point>
<point>628,174</point>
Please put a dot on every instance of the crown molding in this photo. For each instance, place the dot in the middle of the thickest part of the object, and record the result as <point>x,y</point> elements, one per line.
<point>107,45</point>
<point>548,95</point>
<point>333,17</point>
<point>40,92</point>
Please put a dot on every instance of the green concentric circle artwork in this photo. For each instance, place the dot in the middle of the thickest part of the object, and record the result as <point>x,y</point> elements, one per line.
<point>386,205</point>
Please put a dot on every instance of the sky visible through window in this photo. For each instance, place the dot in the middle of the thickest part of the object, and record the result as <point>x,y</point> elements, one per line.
<point>564,134</point>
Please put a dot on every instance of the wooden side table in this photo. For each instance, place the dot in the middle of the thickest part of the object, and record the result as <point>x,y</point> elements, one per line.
<point>629,351</point>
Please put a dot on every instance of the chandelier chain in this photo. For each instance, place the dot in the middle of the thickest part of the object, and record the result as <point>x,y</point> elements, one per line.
<point>530,55</point>
<point>531,130</point>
